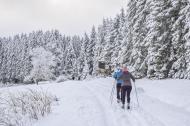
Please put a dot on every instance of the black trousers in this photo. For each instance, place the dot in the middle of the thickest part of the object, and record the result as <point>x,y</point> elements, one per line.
<point>118,89</point>
<point>124,90</point>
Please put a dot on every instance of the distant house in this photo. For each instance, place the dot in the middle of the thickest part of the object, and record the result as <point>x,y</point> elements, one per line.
<point>104,69</point>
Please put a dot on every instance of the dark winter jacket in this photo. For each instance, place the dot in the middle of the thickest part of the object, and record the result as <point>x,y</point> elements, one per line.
<point>126,78</point>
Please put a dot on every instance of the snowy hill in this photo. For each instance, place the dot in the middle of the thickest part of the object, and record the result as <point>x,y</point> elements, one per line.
<point>87,103</point>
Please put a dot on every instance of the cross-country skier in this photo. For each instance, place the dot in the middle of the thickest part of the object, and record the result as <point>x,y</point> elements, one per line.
<point>126,86</point>
<point>117,74</point>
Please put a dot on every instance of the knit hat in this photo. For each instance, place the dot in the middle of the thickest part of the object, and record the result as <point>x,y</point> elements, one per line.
<point>125,68</point>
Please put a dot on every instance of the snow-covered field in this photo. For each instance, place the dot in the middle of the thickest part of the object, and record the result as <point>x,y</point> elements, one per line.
<point>87,103</point>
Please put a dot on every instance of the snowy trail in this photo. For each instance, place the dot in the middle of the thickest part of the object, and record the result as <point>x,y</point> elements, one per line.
<point>87,103</point>
<point>134,117</point>
<point>78,107</point>
<point>152,111</point>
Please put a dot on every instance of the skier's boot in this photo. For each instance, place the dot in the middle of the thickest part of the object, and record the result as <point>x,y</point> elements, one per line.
<point>123,106</point>
<point>118,100</point>
<point>128,106</point>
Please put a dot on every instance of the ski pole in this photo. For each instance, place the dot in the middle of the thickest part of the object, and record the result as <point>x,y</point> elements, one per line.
<point>111,97</point>
<point>112,92</point>
<point>136,94</point>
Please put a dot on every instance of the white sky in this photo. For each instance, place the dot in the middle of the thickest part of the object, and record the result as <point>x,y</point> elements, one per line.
<point>68,16</point>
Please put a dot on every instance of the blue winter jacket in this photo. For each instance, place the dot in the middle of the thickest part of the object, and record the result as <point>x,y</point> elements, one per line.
<point>118,75</point>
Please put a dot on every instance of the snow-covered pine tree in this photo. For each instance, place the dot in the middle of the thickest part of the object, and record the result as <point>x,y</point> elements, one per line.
<point>177,57</point>
<point>187,39</point>
<point>117,36</point>
<point>64,43</point>
<point>127,45</point>
<point>90,50</point>
<point>159,36</point>
<point>4,65</point>
<point>1,52</point>
<point>51,40</point>
<point>120,37</point>
<point>16,59</point>
<point>114,40</point>
<point>76,42</point>
<point>138,31</point>
<point>10,57</point>
<point>81,60</point>
<point>76,45</point>
<point>70,60</point>
<point>25,58</point>
<point>1,58</point>
<point>109,42</point>
<point>85,44</point>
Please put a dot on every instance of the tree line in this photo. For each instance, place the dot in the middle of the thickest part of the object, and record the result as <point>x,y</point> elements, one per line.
<point>151,37</point>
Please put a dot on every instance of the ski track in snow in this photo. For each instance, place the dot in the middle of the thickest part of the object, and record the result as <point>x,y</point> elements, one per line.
<point>134,117</point>
<point>87,103</point>
<point>152,112</point>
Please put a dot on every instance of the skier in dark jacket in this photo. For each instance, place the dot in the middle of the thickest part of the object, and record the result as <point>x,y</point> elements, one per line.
<point>117,74</point>
<point>126,86</point>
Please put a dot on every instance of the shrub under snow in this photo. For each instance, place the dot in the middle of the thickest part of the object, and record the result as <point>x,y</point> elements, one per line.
<point>21,108</point>
<point>62,79</point>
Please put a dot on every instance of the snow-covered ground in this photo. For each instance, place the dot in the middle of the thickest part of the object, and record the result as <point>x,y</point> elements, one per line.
<point>87,103</point>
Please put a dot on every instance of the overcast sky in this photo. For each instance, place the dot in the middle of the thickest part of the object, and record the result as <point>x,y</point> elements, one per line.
<point>68,16</point>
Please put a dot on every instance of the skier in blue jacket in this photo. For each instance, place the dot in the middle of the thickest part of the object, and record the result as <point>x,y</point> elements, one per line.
<point>117,74</point>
